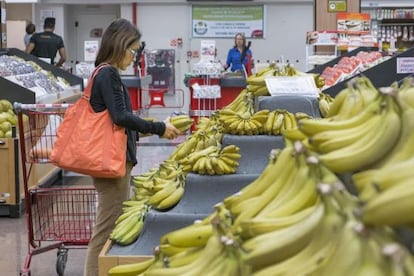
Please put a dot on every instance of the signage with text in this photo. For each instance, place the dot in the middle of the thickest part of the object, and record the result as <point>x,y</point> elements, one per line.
<point>226,21</point>
<point>303,85</point>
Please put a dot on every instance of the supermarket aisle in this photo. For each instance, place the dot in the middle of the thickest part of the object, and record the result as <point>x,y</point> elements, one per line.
<point>13,233</point>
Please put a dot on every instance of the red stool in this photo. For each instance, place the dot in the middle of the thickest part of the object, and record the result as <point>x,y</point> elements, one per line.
<point>157,97</point>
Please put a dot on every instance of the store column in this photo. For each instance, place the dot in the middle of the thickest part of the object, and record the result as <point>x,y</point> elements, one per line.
<point>3,36</point>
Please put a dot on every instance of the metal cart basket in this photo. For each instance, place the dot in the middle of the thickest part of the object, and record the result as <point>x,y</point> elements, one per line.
<point>57,218</point>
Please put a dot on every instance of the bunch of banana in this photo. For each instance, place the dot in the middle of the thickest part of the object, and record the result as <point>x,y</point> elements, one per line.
<point>280,120</point>
<point>245,123</point>
<point>393,206</point>
<point>239,103</point>
<point>225,161</point>
<point>324,101</point>
<point>199,140</point>
<point>129,224</point>
<point>182,122</point>
<point>317,235</point>
<point>396,165</point>
<point>353,144</point>
<point>167,192</point>
<point>359,93</point>
<point>190,160</point>
<point>132,269</point>
<point>206,124</point>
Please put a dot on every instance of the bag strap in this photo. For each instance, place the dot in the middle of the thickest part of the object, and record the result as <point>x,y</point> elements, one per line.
<point>88,90</point>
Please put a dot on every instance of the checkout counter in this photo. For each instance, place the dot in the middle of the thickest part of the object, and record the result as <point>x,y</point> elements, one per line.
<point>203,106</point>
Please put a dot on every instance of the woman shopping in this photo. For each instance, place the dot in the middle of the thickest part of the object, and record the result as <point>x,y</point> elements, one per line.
<point>118,50</point>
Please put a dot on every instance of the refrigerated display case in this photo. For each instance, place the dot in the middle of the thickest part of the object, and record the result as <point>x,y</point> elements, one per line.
<point>381,74</point>
<point>13,90</point>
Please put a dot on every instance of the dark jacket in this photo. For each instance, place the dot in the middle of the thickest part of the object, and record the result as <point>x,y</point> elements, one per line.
<point>109,92</point>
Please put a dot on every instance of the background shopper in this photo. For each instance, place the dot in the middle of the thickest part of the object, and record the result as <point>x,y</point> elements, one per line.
<point>119,46</point>
<point>240,55</point>
<point>46,44</point>
<point>30,29</point>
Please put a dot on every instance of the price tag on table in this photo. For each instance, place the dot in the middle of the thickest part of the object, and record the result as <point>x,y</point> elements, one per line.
<point>298,85</point>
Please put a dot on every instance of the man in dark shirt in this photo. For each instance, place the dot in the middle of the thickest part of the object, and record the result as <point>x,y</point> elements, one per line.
<point>46,44</point>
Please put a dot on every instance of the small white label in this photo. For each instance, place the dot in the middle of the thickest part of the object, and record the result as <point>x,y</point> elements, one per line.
<point>405,65</point>
<point>299,85</point>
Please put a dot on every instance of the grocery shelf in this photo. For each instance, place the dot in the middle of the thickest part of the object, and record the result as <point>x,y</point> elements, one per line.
<point>381,75</point>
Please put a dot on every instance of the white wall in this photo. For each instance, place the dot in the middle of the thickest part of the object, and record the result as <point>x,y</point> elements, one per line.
<point>286,26</point>
<point>162,21</point>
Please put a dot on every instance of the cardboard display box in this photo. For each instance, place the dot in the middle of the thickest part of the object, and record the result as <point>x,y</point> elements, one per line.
<point>107,261</point>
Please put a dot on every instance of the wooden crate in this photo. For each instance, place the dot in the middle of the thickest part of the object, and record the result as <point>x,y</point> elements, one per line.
<point>106,261</point>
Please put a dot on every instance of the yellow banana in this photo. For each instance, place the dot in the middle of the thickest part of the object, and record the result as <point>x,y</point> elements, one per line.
<point>290,240</point>
<point>278,123</point>
<point>313,126</point>
<point>269,123</point>
<point>185,257</point>
<point>367,150</point>
<point>319,250</point>
<point>213,248</point>
<point>131,269</point>
<point>230,149</point>
<point>172,199</point>
<point>193,235</point>
<point>162,194</point>
<point>392,207</point>
<point>260,225</point>
<point>276,166</point>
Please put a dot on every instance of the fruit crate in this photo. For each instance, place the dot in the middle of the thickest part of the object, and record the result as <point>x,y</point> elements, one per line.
<point>106,260</point>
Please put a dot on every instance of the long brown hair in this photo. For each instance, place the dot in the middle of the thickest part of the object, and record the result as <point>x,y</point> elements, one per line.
<point>243,37</point>
<point>117,38</point>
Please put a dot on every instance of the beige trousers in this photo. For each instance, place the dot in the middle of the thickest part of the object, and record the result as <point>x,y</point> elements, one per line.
<point>111,194</point>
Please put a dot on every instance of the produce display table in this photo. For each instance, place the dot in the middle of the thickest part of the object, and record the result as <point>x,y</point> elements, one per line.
<point>202,192</point>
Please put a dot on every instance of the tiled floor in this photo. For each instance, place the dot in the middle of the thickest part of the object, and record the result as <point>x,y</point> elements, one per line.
<point>13,231</point>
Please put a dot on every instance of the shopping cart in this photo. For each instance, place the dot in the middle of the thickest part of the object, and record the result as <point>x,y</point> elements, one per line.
<point>57,218</point>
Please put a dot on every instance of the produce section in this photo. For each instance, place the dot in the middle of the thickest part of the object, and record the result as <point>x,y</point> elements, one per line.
<point>300,193</point>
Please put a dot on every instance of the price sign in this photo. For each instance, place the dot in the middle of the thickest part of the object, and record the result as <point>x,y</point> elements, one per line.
<point>405,65</point>
<point>299,85</point>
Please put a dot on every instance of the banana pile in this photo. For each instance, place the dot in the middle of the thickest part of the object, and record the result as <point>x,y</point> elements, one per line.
<point>281,120</point>
<point>324,102</point>
<point>213,160</point>
<point>200,139</point>
<point>243,121</point>
<point>161,188</point>
<point>182,122</point>
<point>386,189</point>
<point>348,144</point>
<point>296,218</point>
<point>128,226</point>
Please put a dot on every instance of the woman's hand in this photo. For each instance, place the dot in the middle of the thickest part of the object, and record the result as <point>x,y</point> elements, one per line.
<point>171,132</point>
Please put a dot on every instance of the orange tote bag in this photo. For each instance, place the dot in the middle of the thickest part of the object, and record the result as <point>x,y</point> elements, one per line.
<point>88,142</point>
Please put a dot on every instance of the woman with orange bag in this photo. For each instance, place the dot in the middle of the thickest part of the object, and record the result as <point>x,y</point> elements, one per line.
<point>119,45</point>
